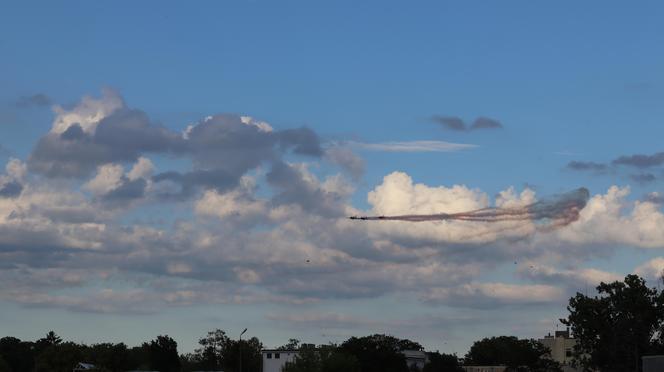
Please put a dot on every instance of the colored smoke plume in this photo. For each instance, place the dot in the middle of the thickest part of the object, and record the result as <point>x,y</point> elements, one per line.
<point>553,212</point>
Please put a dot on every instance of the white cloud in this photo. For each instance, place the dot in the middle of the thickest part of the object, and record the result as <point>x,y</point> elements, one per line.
<point>16,169</point>
<point>610,218</point>
<point>238,203</point>
<point>143,168</point>
<point>653,269</point>
<point>87,113</point>
<point>261,125</point>
<point>108,178</point>
<point>398,195</point>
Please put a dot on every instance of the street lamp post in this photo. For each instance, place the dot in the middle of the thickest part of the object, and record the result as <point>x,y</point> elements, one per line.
<point>240,346</point>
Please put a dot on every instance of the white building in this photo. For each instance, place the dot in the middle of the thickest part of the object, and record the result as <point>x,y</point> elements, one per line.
<point>274,360</point>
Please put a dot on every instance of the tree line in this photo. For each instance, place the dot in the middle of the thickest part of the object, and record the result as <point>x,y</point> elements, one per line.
<point>613,329</point>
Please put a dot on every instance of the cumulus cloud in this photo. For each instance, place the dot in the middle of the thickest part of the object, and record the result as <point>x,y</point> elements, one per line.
<point>398,195</point>
<point>11,183</point>
<point>112,186</point>
<point>239,203</point>
<point>610,218</point>
<point>108,178</point>
<point>457,124</point>
<point>266,225</point>
<point>221,148</point>
<point>296,185</point>
<point>654,197</point>
<point>346,159</point>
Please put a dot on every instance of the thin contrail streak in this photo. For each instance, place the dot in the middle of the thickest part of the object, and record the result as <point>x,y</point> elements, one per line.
<point>556,211</point>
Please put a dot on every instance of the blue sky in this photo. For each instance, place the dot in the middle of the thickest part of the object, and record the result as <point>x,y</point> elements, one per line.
<point>568,82</point>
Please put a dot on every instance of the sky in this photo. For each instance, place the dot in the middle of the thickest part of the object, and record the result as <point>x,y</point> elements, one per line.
<point>172,168</point>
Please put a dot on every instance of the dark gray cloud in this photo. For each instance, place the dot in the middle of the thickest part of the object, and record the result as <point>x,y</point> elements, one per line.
<point>450,122</point>
<point>35,100</point>
<point>121,137</point>
<point>485,123</point>
<point>347,160</point>
<point>643,178</point>
<point>294,189</point>
<point>184,185</point>
<point>303,141</point>
<point>640,160</point>
<point>654,197</point>
<point>586,166</point>
<point>457,124</point>
<point>11,189</point>
<point>222,149</point>
<point>127,191</point>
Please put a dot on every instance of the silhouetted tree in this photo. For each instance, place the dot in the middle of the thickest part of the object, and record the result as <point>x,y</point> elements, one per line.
<point>442,363</point>
<point>210,355</point>
<point>4,366</point>
<point>189,362</point>
<point>326,358</point>
<point>19,355</point>
<point>59,357</point>
<point>251,355</point>
<point>139,357</point>
<point>163,354</point>
<point>292,344</point>
<point>613,330</point>
<point>52,339</point>
<point>516,354</point>
<point>111,357</point>
<point>307,360</point>
<point>379,353</point>
<point>338,361</point>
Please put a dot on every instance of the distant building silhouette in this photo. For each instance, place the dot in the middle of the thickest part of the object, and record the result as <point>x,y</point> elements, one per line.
<point>653,363</point>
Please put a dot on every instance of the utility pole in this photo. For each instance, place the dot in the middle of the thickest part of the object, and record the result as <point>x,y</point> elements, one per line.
<point>240,346</point>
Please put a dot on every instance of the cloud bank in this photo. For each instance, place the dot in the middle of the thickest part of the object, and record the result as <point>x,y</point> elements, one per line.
<point>247,216</point>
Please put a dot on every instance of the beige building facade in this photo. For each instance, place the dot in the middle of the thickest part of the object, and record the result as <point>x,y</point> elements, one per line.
<point>561,347</point>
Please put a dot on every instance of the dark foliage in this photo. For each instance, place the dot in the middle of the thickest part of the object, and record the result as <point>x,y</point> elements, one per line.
<point>442,363</point>
<point>516,354</point>
<point>614,329</point>
<point>163,354</point>
<point>325,358</point>
<point>379,353</point>
<point>219,352</point>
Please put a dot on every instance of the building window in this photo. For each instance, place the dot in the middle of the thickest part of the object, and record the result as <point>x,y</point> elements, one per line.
<point>568,353</point>
<point>269,355</point>
<point>276,355</point>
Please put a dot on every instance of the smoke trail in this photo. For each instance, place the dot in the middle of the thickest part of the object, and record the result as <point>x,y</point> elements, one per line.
<point>551,213</point>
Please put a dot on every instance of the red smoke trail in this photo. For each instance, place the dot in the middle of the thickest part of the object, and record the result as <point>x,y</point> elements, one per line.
<point>555,212</point>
